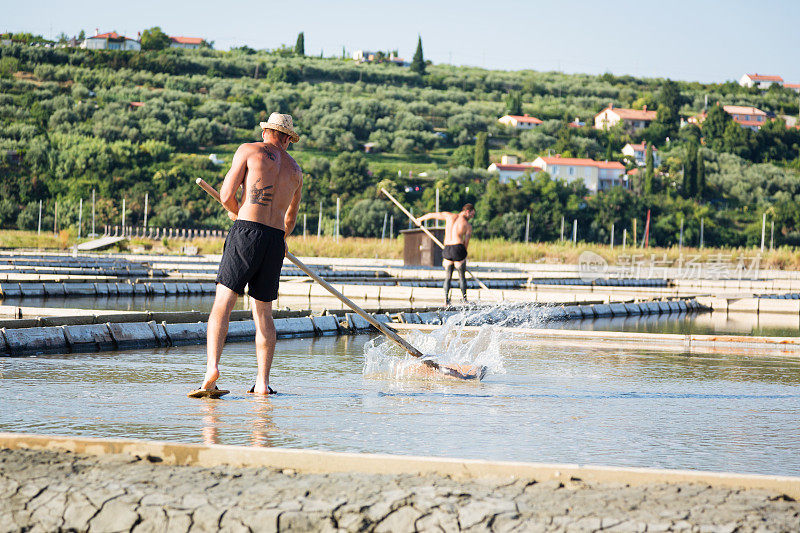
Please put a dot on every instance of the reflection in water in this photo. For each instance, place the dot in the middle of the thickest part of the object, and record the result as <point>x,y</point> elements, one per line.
<point>210,431</point>
<point>263,427</point>
<point>560,404</point>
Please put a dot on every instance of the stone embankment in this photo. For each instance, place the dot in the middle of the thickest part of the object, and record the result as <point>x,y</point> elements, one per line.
<point>56,491</point>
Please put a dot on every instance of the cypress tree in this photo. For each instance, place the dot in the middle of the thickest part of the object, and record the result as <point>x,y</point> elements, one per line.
<point>690,171</point>
<point>300,46</point>
<point>514,103</point>
<point>418,62</point>
<point>700,187</point>
<point>481,151</point>
<point>650,171</point>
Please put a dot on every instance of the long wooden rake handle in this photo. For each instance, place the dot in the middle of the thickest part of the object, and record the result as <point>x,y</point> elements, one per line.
<point>428,233</point>
<point>351,304</point>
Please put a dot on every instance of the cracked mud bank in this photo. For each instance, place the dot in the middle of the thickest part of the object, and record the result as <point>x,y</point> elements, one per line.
<point>52,491</point>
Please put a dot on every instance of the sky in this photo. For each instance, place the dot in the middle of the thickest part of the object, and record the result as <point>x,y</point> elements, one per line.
<point>700,40</point>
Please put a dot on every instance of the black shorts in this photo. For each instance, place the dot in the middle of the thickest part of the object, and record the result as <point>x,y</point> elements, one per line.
<point>454,252</point>
<point>253,255</point>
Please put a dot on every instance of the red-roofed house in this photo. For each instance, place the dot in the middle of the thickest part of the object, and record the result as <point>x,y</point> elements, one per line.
<point>596,175</point>
<point>632,119</point>
<point>519,122</point>
<point>638,152</point>
<point>745,116</point>
<point>189,43</point>
<point>794,86</point>
<point>761,81</point>
<point>110,41</point>
<point>510,168</point>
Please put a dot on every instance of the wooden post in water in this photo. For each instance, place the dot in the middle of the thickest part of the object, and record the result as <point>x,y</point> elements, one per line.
<point>680,242</point>
<point>55,220</point>
<point>146,198</point>
<point>80,217</point>
<point>634,233</point>
<point>391,227</point>
<point>39,227</point>
<point>93,232</point>
<point>123,217</point>
<point>624,237</point>
<point>383,229</point>
<point>702,221</point>
<point>763,229</point>
<point>562,229</point>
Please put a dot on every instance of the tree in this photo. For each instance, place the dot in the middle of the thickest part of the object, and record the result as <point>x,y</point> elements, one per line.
<point>649,173</point>
<point>463,156</point>
<point>154,39</point>
<point>714,127</point>
<point>418,62</point>
<point>481,151</point>
<point>700,188</point>
<point>8,66</point>
<point>300,45</point>
<point>514,103</point>
<point>690,171</point>
<point>82,36</point>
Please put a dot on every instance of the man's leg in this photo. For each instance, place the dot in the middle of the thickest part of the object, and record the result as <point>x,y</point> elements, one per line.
<point>218,320</point>
<point>265,343</point>
<point>461,266</point>
<point>448,274</point>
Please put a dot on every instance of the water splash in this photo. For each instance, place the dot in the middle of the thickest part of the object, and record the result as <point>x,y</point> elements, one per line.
<point>450,344</point>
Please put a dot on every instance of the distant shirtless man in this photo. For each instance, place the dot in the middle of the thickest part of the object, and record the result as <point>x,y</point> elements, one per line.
<point>255,246</point>
<point>457,231</point>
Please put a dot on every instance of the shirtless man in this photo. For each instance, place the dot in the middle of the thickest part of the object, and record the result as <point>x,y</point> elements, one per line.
<point>457,231</point>
<point>255,246</point>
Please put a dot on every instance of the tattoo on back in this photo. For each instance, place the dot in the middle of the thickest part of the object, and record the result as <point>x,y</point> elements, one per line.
<point>270,155</point>
<point>261,195</point>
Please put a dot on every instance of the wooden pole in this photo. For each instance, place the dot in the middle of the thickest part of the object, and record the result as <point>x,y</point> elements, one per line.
<point>39,227</point>
<point>527,226</point>
<point>80,217</point>
<point>363,314</point>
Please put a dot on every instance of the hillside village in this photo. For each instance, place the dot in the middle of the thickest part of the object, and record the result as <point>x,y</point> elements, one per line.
<point>601,150</point>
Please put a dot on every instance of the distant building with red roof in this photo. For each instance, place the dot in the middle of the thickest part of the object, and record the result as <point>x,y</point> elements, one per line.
<point>745,116</point>
<point>110,41</point>
<point>762,81</point>
<point>794,86</point>
<point>596,175</point>
<point>638,152</point>
<point>519,122</point>
<point>187,43</point>
<point>510,168</point>
<point>633,120</point>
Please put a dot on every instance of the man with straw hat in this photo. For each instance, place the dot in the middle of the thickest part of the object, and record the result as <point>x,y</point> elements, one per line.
<point>255,246</point>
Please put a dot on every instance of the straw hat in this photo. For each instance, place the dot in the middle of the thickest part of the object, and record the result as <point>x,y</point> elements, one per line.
<point>281,123</point>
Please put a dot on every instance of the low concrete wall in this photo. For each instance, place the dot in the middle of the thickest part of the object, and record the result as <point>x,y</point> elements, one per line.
<point>321,462</point>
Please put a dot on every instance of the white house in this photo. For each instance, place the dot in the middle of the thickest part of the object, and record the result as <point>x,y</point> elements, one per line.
<point>596,175</point>
<point>761,81</point>
<point>638,152</point>
<point>632,119</point>
<point>187,43</point>
<point>110,41</point>
<point>519,122</point>
<point>510,168</point>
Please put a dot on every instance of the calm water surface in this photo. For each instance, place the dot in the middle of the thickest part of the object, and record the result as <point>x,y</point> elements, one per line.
<point>612,407</point>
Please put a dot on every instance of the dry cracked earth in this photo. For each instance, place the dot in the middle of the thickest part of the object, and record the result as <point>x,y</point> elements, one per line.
<point>54,491</point>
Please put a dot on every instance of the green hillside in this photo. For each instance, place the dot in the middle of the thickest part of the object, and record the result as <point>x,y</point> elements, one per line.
<point>130,123</point>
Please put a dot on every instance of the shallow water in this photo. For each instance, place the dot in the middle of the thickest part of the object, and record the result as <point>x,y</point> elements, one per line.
<point>552,404</point>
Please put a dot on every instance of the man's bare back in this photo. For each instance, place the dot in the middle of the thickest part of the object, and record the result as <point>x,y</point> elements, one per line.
<point>457,229</point>
<point>272,183</point>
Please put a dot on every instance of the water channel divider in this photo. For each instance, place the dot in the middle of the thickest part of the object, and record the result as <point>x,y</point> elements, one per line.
<point>178,328</point>
<point>305,461</point>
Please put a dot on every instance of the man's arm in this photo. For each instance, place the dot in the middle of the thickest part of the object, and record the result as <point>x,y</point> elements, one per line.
<point>467,236</point>
<point>435,216</point>
<point>290,218</point>
<point>233,180</point>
